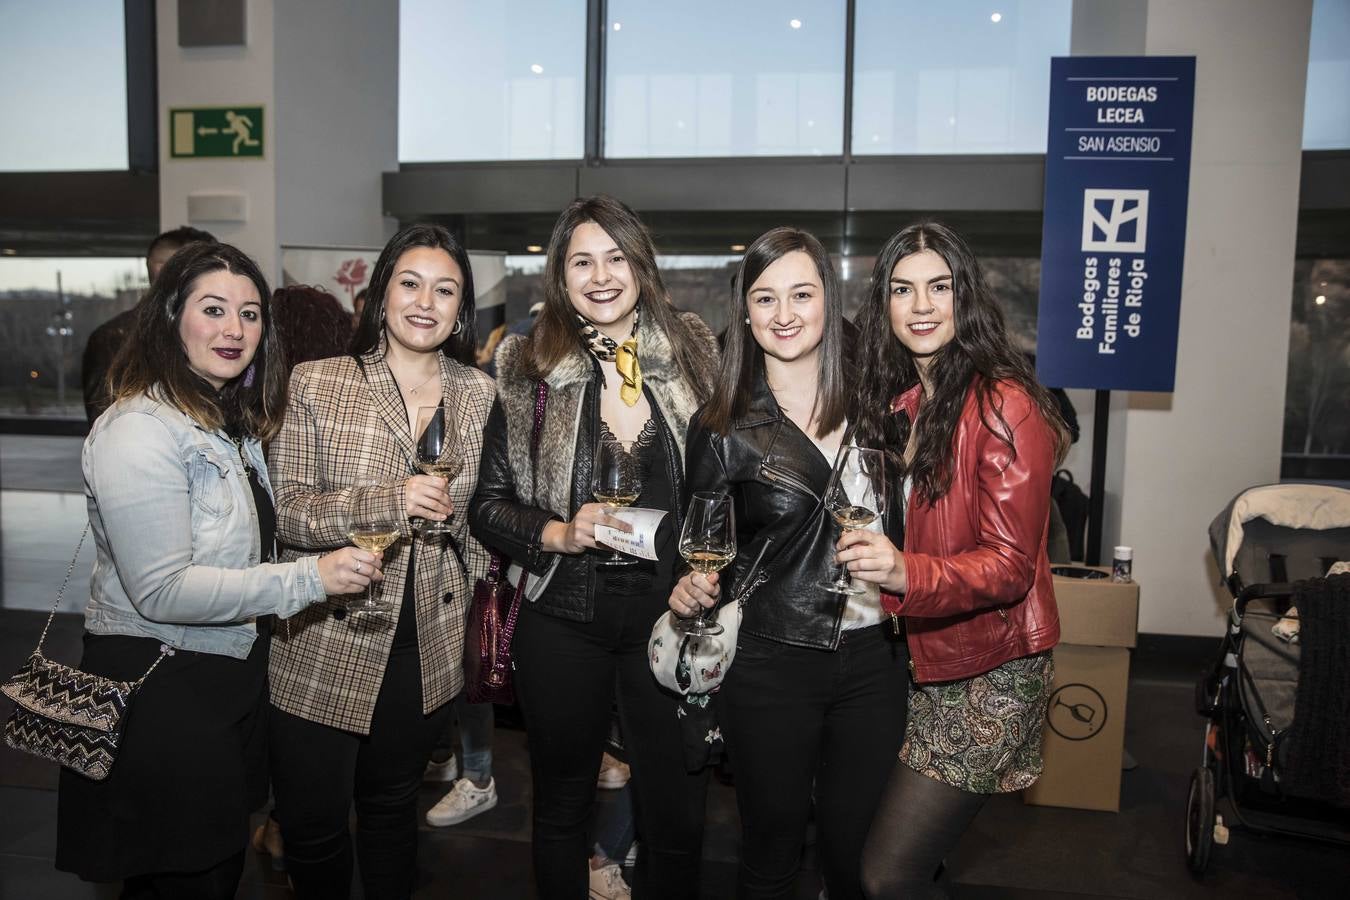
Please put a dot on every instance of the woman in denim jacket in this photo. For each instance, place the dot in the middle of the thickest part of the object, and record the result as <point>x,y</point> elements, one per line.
<point>181,511</point>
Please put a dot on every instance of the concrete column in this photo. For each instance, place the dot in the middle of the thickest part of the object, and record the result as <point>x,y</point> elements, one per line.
<point>328,82</point>
<point>1188,452</point>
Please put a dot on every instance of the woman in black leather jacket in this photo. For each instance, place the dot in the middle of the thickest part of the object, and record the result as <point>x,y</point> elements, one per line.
<point>816,693</point>
<point>613,355</point>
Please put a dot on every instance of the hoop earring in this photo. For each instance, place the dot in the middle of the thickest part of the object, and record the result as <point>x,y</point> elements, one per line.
<point>459,326</point>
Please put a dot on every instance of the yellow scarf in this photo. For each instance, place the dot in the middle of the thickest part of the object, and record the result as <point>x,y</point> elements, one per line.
<point>624,356</point>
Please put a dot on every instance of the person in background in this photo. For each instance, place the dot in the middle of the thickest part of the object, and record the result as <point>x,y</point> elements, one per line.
<point>813,704</point>
<point>979,439</point>
<point>107,339</point>
<point>358,701</point>
<point>616,358</point>
<point>181,510</point>
<point>476,791</point>
<point>311,324</point>
<point>358,307</point>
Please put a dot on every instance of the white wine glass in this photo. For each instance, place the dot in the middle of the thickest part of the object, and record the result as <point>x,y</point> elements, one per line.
<point>855,497</point>
<point>374,530</point>
<point>708,544</point>
<point>616,477</point>
<point>438,453</point>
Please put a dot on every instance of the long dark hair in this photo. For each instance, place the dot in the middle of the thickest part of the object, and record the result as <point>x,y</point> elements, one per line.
<point>978,357</point>
<point>153,360</point>
<point>743,359</point>
<point>460,346</point>
<point>555,333</point>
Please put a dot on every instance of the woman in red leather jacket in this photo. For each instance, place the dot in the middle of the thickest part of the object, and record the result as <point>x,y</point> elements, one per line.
<point>972,584</point>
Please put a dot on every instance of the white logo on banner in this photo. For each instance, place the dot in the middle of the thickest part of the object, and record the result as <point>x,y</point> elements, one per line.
<point>1114,221</point>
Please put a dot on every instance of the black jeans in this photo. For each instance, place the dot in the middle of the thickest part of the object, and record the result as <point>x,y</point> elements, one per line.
<point>566,678</point>
<point>795,717</point>
<point>318,770</point>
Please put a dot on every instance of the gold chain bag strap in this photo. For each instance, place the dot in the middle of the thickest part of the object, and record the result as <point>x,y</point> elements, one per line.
<point>65,715</point>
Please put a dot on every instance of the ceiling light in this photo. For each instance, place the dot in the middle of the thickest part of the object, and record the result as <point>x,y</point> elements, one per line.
<point>996,18</point>
<point>795,23</point>
<point>737,248</point>
<point>618,26</point>
<point>537,69</point>
<point>1320,299</point>
<point>535,248</point>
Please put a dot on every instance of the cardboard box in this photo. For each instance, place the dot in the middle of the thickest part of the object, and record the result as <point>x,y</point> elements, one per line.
<point>1085,720</point>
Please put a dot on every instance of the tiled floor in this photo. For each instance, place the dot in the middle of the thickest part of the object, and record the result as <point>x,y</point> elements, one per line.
<point>1011,852</point>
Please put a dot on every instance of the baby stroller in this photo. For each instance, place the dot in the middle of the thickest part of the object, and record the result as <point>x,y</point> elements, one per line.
<point>1265,540</point>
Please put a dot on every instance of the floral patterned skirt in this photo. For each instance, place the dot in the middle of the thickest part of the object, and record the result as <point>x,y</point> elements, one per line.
<point>981,734</point>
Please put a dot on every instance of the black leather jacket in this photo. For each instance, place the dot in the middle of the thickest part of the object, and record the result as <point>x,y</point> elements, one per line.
<point>500,521</point>
<point>777,478</point>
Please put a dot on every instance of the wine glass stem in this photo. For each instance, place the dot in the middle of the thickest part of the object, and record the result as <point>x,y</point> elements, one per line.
<point>844,578</point>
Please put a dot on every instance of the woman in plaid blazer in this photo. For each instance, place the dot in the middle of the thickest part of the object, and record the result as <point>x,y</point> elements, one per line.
<point>615,357</point>
<point>357,702</point>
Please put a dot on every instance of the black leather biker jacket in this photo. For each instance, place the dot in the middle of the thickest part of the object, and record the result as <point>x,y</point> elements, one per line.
<point>777,478</point>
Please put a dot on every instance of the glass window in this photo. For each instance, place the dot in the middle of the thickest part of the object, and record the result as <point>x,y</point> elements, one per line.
<point>711,78</point>
<point>491,81</point>
<point>48,307</point>
<point>1317,393</point>
<point>966,76</point>
<point>64,106</point>
<point>1326,110</point>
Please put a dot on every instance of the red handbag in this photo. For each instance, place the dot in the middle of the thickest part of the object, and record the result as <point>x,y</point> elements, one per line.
<point>496,606</point>
<point>487,646</point>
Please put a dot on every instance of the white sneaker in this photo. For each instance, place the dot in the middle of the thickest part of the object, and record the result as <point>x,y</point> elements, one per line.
<point>443,771</point>
<point>607,884</point>
<point>463,802</point>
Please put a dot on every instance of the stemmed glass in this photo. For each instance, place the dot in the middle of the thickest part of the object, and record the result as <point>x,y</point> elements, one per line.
<point>370,529</point>
<point>438,453</point>
<point>616,478</point>
<point>855,497</point>
<point>708,544</point>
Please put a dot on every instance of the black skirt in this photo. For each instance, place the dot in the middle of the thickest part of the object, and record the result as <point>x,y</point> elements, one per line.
<point>191,768</point>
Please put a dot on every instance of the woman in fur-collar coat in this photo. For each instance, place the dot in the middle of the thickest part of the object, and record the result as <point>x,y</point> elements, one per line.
<point>608,356</point>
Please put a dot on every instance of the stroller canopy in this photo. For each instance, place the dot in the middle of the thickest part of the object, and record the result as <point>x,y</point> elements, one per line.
<point>1305,522</point>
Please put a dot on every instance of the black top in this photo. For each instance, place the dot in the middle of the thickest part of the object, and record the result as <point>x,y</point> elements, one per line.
<point>641,576</point>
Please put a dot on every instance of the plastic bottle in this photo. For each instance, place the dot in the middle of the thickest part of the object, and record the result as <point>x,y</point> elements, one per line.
<point>1122,565</point>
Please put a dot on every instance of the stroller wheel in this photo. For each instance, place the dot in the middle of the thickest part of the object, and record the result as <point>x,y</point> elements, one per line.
<point>1200,820</point>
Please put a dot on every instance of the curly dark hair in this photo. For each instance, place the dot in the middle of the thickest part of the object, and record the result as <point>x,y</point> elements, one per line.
<point>978,357</point>
<point>311,323</point>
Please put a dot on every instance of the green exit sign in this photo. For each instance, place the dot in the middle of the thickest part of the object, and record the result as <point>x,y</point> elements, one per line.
<point>216,132</point>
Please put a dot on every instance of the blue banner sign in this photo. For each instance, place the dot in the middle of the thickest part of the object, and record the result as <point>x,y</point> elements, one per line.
<point>1117,174</point>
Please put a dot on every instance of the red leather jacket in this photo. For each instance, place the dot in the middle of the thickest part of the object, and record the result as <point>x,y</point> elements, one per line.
<point>979,588</point>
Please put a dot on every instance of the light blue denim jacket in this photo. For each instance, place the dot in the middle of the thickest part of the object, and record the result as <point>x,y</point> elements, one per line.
<point>177,536</point>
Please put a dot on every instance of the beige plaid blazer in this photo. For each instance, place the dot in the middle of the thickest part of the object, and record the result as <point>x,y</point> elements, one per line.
<point>344,424</point>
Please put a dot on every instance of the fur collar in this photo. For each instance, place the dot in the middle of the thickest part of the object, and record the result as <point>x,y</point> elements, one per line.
<point>655,355</point>
<point>567,383</point>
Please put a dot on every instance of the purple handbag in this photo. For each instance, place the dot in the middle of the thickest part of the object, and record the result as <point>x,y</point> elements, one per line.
<point>496,606</point>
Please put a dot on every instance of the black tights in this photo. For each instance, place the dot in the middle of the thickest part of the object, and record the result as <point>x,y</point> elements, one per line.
<point>918,822</point>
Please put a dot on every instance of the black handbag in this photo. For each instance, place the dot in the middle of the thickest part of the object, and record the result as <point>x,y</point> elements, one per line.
<point>65,715</point>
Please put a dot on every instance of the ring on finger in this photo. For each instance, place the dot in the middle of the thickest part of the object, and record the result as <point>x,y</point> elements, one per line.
<point>358,568</point>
